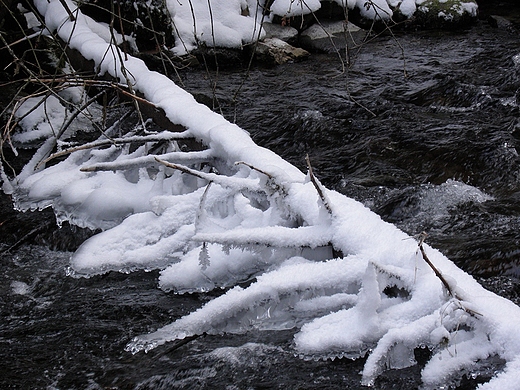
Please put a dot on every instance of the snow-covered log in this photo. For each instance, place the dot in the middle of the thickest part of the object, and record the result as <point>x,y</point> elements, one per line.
<point>351,283</point>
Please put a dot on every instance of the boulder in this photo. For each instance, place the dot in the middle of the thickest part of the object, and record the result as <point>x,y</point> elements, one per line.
<point>498,21</point>
<point>274,51</point>
<point>445,14</point>
<point>285,33</point>
<point>330,36</point>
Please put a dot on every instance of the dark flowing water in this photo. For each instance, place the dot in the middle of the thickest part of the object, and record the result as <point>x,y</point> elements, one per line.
<point>430,143</point>
<point>434,113</point>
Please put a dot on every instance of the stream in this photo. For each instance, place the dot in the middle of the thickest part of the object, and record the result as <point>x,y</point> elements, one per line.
<point>423,128</point>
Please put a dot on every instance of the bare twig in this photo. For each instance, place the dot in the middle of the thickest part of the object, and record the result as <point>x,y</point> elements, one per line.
<point>235,183</point>
<point>438,273</point>
<point>387,27</point>
<point>77,112</point>
<point>122,30</point>
<point>450,290</point>
<point>249,65</point>
<point>318,186</point>
<point>67,9</point>
<point>254,168</point>
<point>123,69</point>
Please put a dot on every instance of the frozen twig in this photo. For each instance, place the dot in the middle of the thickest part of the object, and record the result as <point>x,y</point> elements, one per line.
<point>137,162</point>
<point>451,291</point>
<point>202,203</point>
<point>78,111</point>
<point>163,136</point>
<point>238,184</point>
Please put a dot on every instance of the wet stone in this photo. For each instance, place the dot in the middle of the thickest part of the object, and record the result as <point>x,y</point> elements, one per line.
<point>328,37</point>
<point>276,51</point>
<point>285,33</point>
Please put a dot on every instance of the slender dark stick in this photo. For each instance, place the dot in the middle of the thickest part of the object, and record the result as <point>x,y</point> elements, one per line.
<point>317,186</point>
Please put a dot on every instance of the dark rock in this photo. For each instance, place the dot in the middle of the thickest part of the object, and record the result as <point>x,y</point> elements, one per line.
<point>435,14</point>
<point>431,14</point>
<point>149,22</point>
<point>330,10</point>
<point>499,22</point>
<point>300,22</point>
<point>221,57</point>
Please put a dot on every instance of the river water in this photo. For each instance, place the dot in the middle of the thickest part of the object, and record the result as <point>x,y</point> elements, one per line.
<point>423,128</point>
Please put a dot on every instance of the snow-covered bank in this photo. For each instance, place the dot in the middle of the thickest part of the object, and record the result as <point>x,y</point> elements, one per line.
<point>235,23</point>
<point>271,218</point>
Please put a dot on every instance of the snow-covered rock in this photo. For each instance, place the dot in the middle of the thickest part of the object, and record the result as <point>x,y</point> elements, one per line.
<point>446,14</point>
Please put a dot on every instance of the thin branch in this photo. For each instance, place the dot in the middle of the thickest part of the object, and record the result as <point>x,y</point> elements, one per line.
<point>387,27</point>
<point>122,30</point>
<point>249,65</point>
<point>67,9</point>
<point>235,183</point>
<point>21,63</point>
<point>25,38</point>
<point>200,210</point>
<point>255,169</point>
<point>77,112</point>
<point>318,186</point>
<point>149,160</point>
<point>164,136</point>
<point>459,300</point>
<point>435,270</point>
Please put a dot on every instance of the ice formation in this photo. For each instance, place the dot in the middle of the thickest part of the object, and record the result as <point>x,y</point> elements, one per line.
<point>317,261</point>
